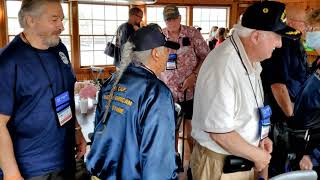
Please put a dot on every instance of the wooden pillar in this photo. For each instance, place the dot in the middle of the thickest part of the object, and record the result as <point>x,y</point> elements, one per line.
<point>75,39</point>
<point>3,24</point>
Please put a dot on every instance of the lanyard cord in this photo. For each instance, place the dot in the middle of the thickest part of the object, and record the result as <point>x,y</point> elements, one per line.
<point>238,52</point>
<point>43,67</point>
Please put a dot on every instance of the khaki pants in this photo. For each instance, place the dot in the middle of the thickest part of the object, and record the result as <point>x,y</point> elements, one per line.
<point>208,165</point>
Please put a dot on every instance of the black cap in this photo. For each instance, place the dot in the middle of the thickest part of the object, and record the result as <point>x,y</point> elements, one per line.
<point>269,16</point>
<point>150,37</point>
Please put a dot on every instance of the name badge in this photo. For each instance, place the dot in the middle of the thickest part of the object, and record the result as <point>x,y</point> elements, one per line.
<point>62,107</point>
<point>264,122</point>
<point>172,62</point>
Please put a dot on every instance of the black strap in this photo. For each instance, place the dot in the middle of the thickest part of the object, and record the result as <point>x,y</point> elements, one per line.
<point>44,68</point>
<point>238,52</point>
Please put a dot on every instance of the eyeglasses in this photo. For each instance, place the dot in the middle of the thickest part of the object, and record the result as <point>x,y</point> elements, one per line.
<point>139,16</point>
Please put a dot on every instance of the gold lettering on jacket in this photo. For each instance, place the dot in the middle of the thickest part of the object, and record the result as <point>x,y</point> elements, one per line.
<point>120,99</point>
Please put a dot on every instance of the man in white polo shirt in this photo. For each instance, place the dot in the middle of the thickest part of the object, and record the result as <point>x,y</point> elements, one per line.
<point>229,116</point>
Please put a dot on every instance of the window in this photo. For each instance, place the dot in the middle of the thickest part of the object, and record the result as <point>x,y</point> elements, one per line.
<point>14,26</point>
<point>155,15</point>
<point>13,22</point>
<point>206,17</point>
<point>97,26</point>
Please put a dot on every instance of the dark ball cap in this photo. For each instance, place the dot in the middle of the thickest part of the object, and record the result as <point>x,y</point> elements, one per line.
<point>269,16</point>
<point>150,37</point>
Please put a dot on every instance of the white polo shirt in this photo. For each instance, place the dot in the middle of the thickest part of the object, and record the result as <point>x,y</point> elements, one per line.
<point>224,100</point>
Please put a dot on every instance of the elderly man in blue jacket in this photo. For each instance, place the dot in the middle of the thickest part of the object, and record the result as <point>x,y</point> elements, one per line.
<point>134,136</point>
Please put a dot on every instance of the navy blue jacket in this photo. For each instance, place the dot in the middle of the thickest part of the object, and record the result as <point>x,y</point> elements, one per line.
<point>138,140</point>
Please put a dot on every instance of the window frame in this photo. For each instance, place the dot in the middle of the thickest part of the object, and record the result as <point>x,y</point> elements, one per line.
<point>96,35</point>
<point>228,9</point>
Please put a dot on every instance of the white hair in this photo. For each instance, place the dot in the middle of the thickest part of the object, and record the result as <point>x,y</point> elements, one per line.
<point>242,31</point>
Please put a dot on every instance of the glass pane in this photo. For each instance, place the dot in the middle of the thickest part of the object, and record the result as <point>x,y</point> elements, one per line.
<point>205,36</point>
<point>111,27</point>
<point>151,14</point>
<point>208,17</point>
<point>85,27</point>
<point>98,27</point>
<point>123,13</point>
<point>110,38</point>
<point>98,12</point>
<point>120,22</point>
<point>66,27</point>
<point>160,14</point>
<point>205,27</point>
<point>196,14</point>
<point>100,43</point>
<point>222,14</point>
<point>205,14</point>
<point>111,13</point>
<point>13,26</point>
<point>214,15</point>
<point>110,60</point>
<point>86,58</point>
<point>65,8</point>
<point>86,43</point>
<point>183,13</point>
<point>85,11</point>
<point>66,41</point>
<point>222,24</point>
<point>100,58</point>
<point>13,8</point>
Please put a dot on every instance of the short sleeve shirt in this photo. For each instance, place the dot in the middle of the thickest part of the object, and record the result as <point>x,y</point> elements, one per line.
<point>189,56</point>
<point>40,144</point>
<point>224,99</point>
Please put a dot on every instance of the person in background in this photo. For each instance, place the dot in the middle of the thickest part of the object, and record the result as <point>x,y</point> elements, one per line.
<point>183,64</point>
<point>134,137</point>
<point>126,30</point>
<point>283,76</point>
<point>212,37</point>
<point>220,36</point>
<point>308,103</point>
<point>38,128</point>
<point>229,115</point>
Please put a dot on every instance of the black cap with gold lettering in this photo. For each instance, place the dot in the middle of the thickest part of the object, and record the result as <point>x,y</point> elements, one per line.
<point>269,16</point>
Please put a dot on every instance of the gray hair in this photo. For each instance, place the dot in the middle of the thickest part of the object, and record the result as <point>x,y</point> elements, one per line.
<point>32,8</point>
<point>127,55</point>
<point>242,31</point>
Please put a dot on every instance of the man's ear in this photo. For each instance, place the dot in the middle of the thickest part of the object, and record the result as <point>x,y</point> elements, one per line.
<point>30,21</point>
<point>255,35</point>
<point>155,54</point>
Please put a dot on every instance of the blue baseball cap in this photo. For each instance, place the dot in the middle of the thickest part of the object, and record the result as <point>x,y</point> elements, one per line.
<point>150,37</point>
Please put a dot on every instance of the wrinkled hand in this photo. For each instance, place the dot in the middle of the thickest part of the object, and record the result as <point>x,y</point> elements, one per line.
<point>306,163</point>
<point>261,159</point>
<point>81,144</point>
<point>266,144</point>
<point>189,82</point>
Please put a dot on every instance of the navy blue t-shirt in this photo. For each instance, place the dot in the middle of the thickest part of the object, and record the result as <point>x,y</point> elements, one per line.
<point>287,66</point>
<point>40,144</point>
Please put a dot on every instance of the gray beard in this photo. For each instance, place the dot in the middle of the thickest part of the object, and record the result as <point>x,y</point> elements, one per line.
<point>51,42</point>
